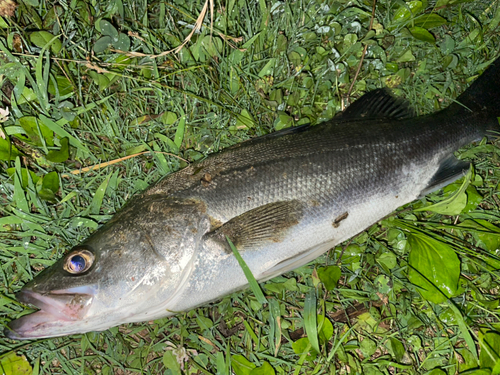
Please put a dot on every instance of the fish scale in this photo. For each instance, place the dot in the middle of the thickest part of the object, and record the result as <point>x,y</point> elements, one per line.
<point>283,199</point>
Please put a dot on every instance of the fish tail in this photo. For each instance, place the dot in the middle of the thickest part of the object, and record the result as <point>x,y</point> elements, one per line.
<point>482,98</point>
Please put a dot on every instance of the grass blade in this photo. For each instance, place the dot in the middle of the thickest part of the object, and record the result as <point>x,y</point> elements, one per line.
<point>310,318</point>
<point>463,328</point>
<point>254,285</point>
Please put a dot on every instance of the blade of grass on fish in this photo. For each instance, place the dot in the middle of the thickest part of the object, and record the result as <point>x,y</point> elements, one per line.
<point>310,318</point>
<point>463,328</point>
<point>254,285</point>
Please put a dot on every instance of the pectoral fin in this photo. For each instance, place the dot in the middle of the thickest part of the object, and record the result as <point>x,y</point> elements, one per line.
<point>267,223</point>
<point>451,169</point>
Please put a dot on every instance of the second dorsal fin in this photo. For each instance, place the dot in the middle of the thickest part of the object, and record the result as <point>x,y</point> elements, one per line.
<point>378,103</point>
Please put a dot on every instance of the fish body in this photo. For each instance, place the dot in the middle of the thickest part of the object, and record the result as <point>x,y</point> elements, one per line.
<point>283,199</point>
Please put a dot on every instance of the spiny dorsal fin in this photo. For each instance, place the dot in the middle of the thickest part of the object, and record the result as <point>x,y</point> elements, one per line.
<point>378,104</point>
<point>267,223</point>
<point>451,169</point>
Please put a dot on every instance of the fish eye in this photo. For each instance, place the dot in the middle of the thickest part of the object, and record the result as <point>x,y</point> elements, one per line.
<point>78,261</point>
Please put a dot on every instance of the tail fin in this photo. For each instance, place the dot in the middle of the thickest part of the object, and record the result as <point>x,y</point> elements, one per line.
<point>482,96</point>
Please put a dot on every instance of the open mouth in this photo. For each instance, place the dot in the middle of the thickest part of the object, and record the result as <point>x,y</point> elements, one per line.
<point>56,309</point>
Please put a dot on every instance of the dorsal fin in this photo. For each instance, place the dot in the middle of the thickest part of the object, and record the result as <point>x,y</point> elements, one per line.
<point>267,223</point>
<point>378,104</point>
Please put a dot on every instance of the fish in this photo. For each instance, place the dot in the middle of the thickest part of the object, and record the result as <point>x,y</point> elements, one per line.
<point>283,199</point>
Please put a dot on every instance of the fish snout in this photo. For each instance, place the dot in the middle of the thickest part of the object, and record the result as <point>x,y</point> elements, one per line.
<point>56,309</point>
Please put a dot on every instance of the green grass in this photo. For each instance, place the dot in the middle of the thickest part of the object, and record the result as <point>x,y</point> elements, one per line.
<point>294,64</point>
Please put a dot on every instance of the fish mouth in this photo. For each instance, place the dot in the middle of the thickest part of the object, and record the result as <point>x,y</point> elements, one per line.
<point>57,310</point>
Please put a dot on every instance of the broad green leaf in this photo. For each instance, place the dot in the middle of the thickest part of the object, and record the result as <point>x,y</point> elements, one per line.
<point>43,38</point>
<point>404,12</point>
<point>265,369</point>
<point>281,43</point>
<point>454,204</point>
<point>237,54</point>
<point>51,17</point>
<point>108,29</point>
<point>283,121</point>
<point>3,24</point>
<point>204,323</point>
<point>170,363</point>
<point>429,21</point>
<point>61,155</point>
<point>268,68</point>
<point>436,371</point>
<point>405,57</point>
<point>64,86</point>
<point>244,120</point>
<point>100,79</point>
<point>84,222</point>
<point>12,364</point>
<point>123,42</point>
<point>469,361</point>
<point>51,181</point>
<point>488,233</point>
<point>388,259</point>
<point>222,365</point>
<point>35,130</point>
<point>422,34</point>
<point>310,319</point>
<point>168,118</point>
<point>383,284</point>
<point>489,357</point>
<point>396,348</point>
<point>47,195</point>
<point>495,21</point>
<point>27,95</point>
<point>254,285</point>
<point>7,150</point>
<point>473,199</point>
<point>329,276</point>
<point>325,329</point>
<point>24,176</point>
<point>241,365</point>
<point>212,45</point>
<point>367,347</point>
<point>434,267</point>
<point>102,44</point>
<point>303,346</point>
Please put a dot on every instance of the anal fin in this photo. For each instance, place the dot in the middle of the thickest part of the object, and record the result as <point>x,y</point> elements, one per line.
<point>450,170</point>
<point>267,223</point>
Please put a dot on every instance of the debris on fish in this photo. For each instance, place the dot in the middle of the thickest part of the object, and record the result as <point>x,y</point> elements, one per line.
<point>283,199</point>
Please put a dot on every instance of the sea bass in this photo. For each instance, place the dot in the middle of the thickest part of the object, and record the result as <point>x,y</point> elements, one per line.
<point>283,199</point>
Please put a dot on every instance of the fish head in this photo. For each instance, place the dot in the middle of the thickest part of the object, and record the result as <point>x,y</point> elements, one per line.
<point>127,271</point>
